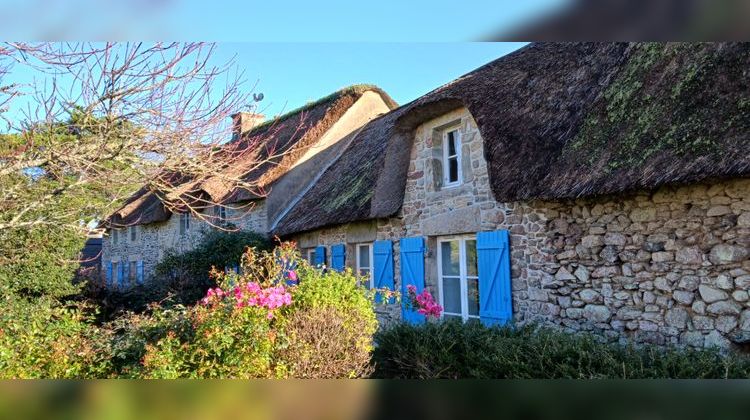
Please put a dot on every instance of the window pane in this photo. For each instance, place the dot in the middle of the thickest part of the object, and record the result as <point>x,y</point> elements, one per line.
<point>471,257</point>
<point>473,294</point>
<point>453,169</point>
<point>452,295</point>
<point>452,143</point>
<point>312,257</point>
<point>446,316</point>
<point>364,256</point>
<point>449,257</point>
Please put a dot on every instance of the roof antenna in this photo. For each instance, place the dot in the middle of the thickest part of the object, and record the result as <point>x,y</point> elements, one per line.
<point>257,97</point>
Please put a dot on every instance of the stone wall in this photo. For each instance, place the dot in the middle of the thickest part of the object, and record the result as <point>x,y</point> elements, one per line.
<point>251,216</point>
<point>667,268</point>
<point>154,240</point>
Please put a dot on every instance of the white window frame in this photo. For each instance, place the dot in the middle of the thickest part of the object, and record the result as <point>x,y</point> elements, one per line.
<point>133,231</point>
<point>311,256</point>
<point>184,221</point>
<point>132,272</point>
<point>372,262</point>
<point>116,273</point>
<point>463,274</point>
<point>446,158</point>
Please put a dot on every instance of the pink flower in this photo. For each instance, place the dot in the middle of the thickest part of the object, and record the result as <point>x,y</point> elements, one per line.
<point>423,302</point>
<point>292,275</point>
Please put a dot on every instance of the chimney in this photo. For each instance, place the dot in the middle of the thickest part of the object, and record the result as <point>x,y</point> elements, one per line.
<point>242,122</point>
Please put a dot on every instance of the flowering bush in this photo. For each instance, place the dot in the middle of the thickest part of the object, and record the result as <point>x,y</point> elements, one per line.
<point>250,294</point>
<point>423,302</point>
<point>277,317</point>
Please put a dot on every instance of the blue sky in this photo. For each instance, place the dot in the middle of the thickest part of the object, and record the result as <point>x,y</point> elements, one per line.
<point>264,21</point>
<point>292,74</point>
<point>289,75</point>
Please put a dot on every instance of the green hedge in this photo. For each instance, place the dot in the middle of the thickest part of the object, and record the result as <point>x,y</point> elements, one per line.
<point>451,349</point>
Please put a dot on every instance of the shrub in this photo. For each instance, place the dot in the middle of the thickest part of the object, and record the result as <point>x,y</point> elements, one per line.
<point>217,248</point>
<point>133,332</point>
<point>42,339</point>
<point>40,262</point>
<point>451,349</point>
<point>331,326</point>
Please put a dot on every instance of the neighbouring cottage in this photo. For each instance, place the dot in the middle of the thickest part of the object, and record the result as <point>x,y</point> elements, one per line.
<point>593,187</point>
<point>300,144</point>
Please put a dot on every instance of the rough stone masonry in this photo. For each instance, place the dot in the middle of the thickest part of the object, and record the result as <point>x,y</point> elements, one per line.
<point>665,268</point>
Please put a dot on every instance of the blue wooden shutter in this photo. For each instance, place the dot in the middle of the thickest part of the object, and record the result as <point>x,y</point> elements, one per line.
<point>120,274</point>
<point>139,272</point>
<point>382,252</point>
<point>338,257</point>
<point>320,255</point>
<point>412,272</point>
<point>109,273</point>
<point>493,255</point>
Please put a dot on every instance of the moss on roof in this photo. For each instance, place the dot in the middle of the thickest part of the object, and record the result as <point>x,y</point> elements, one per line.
<point>683,118</point>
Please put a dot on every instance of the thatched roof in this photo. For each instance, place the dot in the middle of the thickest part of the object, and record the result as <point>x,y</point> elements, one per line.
<point>561,120</point>
<point>279,143</point>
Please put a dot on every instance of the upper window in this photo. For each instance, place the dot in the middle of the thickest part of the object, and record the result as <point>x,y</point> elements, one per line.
<point>184,223</point>
<point>133,232</point>
<point>115,236</point>
<point>459,281</point>
<point>364,263</point>
<point>451,158</point>
<point>220,213</point>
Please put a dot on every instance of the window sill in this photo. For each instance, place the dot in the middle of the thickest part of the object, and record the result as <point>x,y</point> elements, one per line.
<point>450,186</point>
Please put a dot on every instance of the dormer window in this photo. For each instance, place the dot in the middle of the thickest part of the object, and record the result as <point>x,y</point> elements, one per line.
<point>451,158</point>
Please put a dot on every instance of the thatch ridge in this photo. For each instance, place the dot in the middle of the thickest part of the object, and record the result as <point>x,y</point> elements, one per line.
<point>281,141</point>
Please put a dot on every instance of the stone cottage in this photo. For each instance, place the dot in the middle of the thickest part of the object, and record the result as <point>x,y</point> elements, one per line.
<point>593,187</point>
<point>304,142</point>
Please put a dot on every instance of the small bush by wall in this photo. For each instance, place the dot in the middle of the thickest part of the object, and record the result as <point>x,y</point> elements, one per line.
<point>451,349</point>
<point>330,326</point>
<point>258,324</point>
